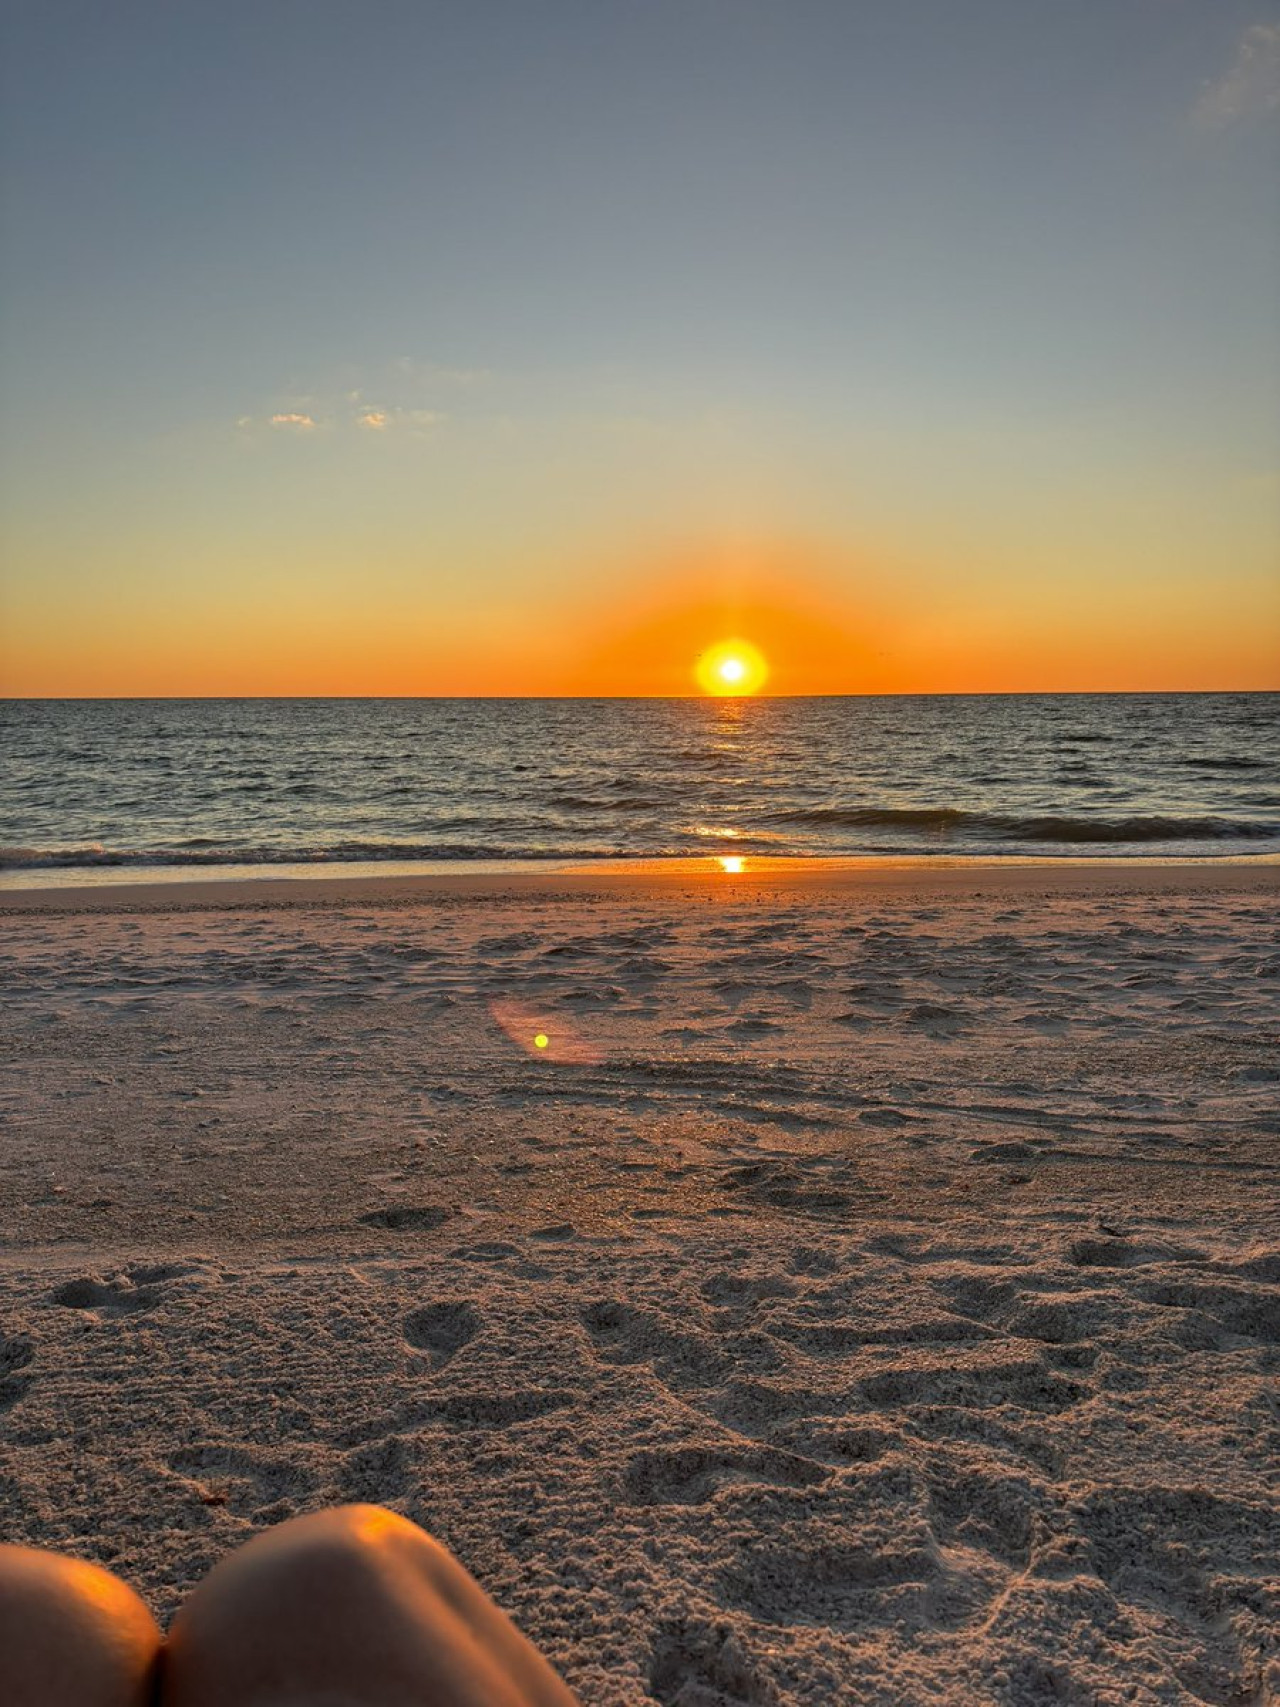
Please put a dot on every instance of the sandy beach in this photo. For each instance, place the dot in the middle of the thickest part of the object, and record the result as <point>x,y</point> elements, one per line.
<point>810,1285</point>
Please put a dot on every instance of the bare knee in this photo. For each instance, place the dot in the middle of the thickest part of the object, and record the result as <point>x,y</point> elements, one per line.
<point>328,1555</point>
<point>307,1598</point>
<point>354,1541</point>
<point>358,1599</point>
<point>71,1632</point>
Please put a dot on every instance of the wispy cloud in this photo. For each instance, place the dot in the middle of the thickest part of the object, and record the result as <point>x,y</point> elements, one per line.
<point>390,401</point>
<point>388,419</point>
<point>1250,86</point>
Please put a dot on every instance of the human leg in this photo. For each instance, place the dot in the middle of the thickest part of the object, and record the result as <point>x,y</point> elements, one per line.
<point>354,1607</point>
<point>72,1635</point>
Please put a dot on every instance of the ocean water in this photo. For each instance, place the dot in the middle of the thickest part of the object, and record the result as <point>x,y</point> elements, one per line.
<point>207,783</point>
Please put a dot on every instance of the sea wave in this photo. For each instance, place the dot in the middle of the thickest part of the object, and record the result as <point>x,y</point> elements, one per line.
<point>927,829</point>
<point>343,853</point>
<point>589,803</point>
<point>1003,826</point>
<point>1226,762</point>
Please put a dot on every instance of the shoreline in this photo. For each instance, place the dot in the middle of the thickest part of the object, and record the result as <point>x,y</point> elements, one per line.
<point>756,876</point>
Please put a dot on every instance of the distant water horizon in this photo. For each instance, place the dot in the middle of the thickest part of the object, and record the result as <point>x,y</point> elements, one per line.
<point>203,784</point>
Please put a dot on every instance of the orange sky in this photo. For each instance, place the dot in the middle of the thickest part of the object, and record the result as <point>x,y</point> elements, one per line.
<point>641,634</point>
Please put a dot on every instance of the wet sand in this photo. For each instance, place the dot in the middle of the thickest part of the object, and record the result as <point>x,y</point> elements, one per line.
<point>868,1294</point>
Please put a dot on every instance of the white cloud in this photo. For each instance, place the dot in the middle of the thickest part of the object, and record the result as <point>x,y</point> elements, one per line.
<point>1252,83</point>
<point>382,420</point>
<point>385,409</point>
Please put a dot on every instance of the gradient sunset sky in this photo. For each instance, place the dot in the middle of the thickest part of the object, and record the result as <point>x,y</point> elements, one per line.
<point>531,347</point>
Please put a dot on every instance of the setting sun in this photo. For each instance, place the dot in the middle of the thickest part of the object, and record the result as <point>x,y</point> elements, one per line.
<point>732,667</point>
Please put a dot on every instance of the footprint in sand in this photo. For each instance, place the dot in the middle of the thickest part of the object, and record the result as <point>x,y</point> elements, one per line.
<point>380,1471</point>
<point>160,1273</point>
<point>1247,1312</point>
<point>248,1483</point>
<point>698,1665</point>
<point>485,1250</point>
<point>1027,1382</point>
<point>934,1020</point>
<point>1014,1152</point>
<point>839,1584</point>
<point>1205,1578</point>
<point>690,1475</point>
<point>442,1329</point>
<point>16,1354</point>
<point>409,1218</point>
<point>782,1186</point>
<point>744,1291</point>
<point>995,1513</point>
<point>1116,1251</point>
<point>105,1297</point>
<point>141,1286</point>
<point>683,1359</point>
<point>838,1444</point>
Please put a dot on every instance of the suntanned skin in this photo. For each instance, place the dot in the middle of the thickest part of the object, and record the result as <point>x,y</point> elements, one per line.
<point>354,1607</point>
<point>72,1635</point>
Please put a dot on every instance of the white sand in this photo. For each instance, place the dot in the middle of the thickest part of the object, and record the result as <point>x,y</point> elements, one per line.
<point>870,1294</point>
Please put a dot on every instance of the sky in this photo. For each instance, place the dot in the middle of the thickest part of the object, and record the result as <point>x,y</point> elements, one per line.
<point>368,347</point>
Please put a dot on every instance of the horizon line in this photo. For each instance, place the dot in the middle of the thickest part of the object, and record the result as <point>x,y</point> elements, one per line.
<point>700,698</point>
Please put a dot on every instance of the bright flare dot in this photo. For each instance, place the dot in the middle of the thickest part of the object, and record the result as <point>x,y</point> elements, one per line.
<point>732,863</point>
<point>732,667</point>
<point>541,1040</point>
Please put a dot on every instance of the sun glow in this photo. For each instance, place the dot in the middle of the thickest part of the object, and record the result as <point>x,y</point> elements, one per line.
<point>732,667</point>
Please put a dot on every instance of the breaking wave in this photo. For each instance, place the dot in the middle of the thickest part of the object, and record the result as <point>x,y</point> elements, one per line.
<point>1008,827</point>
<point>343,853</point>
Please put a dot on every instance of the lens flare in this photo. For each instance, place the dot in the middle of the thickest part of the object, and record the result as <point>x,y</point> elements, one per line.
<point>731,667</point>
<point>525,1030</point>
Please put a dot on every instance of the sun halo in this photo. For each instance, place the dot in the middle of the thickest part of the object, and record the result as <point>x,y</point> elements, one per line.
<point>731,667</point>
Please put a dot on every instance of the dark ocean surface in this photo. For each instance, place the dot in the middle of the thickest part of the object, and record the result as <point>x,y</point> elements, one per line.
<point>94,784</point>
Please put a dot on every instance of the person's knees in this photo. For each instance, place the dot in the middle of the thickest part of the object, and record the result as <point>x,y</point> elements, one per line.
<point>328,1559</point>
<point>70,1632</point>
<point>35,1584</point>
<point>347,1540</point>
<point>350,1528</point>
<point>351,1545</point>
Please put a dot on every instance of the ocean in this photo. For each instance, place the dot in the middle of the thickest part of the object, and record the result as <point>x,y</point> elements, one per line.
<point>98,786</point>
